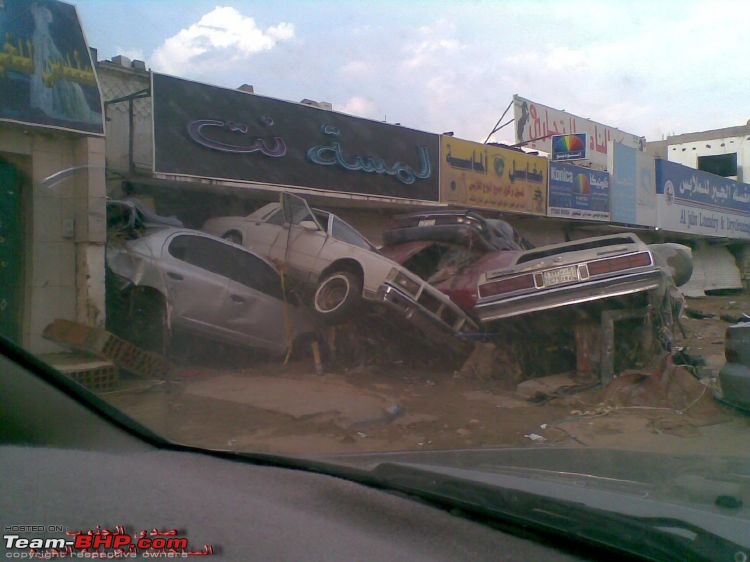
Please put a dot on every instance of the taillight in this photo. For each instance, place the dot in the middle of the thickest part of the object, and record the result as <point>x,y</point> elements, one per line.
<point>507,285</point>
<point>610,265</point>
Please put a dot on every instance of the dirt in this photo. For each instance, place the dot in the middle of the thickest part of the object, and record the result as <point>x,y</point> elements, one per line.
<point>388,406</point>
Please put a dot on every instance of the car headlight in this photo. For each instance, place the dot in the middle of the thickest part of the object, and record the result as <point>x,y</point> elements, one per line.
<point>403,281</point>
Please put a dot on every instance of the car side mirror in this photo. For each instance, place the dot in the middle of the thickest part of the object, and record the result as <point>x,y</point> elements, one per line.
<point>309,225</point>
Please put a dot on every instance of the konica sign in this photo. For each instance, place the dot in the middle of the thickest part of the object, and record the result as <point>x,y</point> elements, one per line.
<point>578,193</point>
<point>697,202</point>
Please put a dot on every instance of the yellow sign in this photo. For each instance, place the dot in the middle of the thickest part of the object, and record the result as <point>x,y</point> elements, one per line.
<point>489,177</point>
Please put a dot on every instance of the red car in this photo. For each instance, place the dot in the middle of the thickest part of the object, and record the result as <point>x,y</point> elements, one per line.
<point>488,269</point>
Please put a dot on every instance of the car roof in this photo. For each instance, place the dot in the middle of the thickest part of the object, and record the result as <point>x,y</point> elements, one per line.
<point>155,238</point>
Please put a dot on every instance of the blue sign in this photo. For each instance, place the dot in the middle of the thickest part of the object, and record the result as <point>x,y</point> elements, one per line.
<point>633,197</point>
<point>698,202</point>
<point>579,193</point>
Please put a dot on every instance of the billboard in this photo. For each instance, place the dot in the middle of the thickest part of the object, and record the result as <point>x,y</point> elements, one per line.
<point>490,177</point>
<point>696,202</point>
<point>569,147</point>
<point>633,186</point>
<point>577,193</point>
<point>536,124</point>
<point>211,132</point>
<point>46,74</point>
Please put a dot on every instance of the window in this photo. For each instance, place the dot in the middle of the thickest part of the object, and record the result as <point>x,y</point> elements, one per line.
<point>253,272</point>
<point>205,253</point>
<point>720,164</point>
<point>345,233</point>
<point>277,218</point>
<point>236,264</point>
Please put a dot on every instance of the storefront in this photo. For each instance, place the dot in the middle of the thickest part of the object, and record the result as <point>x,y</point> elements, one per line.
<point>52,211</point>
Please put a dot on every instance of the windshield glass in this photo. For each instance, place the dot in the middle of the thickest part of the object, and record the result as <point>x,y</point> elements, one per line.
<point>139,140</point>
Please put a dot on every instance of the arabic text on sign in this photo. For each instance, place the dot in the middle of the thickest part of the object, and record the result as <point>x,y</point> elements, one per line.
<point>259,144</point>
<point>333,155</point>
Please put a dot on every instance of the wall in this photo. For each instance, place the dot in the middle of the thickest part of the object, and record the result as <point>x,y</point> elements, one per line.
<point>687,153</point>
<point>63,272</point>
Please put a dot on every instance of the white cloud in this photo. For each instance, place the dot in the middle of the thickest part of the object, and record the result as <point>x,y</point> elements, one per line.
<point>356,69</point>
<point>220,39</point>
<point>132,54</point>
<point>360,106</point>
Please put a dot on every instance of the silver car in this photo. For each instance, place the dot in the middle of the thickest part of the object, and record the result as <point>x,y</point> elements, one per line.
<point>567,274</point>
<point>184,279</point>
<point>341,267</point>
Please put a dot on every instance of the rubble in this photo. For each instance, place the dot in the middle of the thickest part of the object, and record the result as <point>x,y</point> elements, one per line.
<point>667,386</point>
<point>546,388</point>
<point>105,345</point>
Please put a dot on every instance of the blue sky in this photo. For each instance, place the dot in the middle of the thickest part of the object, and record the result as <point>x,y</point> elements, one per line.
<point>650,68</point>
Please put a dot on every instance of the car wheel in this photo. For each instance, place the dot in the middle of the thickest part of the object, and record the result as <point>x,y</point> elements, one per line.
<point>337,296</point>
<point>233,236</point>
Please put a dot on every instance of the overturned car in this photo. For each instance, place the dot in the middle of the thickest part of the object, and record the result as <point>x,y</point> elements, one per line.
<point>339,269</point>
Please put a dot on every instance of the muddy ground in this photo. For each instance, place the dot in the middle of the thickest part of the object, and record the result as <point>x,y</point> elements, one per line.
<point>290,409</point>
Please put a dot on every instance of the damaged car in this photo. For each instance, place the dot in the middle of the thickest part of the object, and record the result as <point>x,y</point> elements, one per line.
<point>491,271</point>
<point>340,269</point>
<point>175,279</point>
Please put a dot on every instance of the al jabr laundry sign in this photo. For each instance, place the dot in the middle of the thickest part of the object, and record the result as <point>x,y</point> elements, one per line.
<point>697,202</point>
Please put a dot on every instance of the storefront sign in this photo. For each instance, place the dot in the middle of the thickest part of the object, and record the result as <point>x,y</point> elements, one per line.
<point>46,74</point>
<point>213,132</point>
<point>536,124</point>
<point>483,176</point>
<point>697,202</point>
<point>633,191</point>
<point>569,147</point>
<point>578,193</point>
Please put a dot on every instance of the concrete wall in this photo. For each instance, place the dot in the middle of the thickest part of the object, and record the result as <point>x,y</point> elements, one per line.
<point>63,269</point>
<point>687,153</point>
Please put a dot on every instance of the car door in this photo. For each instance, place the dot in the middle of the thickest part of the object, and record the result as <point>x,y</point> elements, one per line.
<point>300,249</point>
<point>195,274</point>
<point>261,233</point>
<point>253,306</point>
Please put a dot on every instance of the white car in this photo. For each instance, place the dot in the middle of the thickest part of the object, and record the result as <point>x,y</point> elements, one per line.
<point>341,267</point>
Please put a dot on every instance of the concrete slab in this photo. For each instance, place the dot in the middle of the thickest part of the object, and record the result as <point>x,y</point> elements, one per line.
<point>300,398</point>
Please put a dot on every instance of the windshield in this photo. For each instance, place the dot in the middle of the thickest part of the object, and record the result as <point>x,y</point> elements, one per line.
<point>138,140</point>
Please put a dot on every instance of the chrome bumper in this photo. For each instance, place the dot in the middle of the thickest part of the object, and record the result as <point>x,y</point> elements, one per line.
<point>497,308</point>
<point>437,330</point>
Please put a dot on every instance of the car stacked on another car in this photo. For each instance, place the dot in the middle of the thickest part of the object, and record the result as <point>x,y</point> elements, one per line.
<point>341,268</point>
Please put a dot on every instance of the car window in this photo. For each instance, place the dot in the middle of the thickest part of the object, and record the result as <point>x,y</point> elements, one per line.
<point>202,252</point>
<point>253,272</point>
<point>277,218</point>
<point>345,233</point>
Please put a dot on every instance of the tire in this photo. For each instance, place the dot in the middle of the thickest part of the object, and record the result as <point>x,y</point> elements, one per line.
<point>233,236</point>
<point>337,297</point>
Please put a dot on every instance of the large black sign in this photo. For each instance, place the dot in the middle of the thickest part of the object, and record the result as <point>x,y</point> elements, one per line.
<point>213,132</point>
<point>46,74</point>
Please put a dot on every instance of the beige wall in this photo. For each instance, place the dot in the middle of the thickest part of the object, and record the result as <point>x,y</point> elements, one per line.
<point>63,270</point>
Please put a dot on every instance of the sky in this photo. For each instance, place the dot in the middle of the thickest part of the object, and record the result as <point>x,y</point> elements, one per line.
<point>650,68</point>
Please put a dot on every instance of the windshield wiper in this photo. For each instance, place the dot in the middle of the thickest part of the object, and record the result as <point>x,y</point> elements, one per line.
<point>569,513</point>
